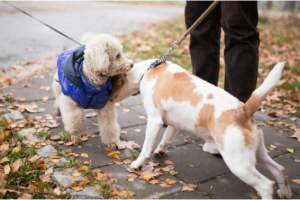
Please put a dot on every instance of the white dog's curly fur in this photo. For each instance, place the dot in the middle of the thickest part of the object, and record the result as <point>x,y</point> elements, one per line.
<point>103,58</point>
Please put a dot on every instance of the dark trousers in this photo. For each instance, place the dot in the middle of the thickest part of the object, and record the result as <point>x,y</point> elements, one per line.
<point>239,21</point>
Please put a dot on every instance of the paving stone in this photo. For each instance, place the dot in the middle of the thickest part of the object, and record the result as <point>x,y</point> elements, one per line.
<point>292,171</point>
<point>282,141</point>
<point>133,101</point>
<point>296,154</point>
<point>97,155</point>
<point>13,115</point>
<point>62,162</point>
<point>260,118</point>
<point>139,109</point>
<point>64,177</point>
<point>88,192</point>
<point>195,165</point>
<point>46,150</point>
<point>27,132</point>
<point>186,195</point>
<point>182,137</point>
<point>141,188</point>
<point>227,187</point>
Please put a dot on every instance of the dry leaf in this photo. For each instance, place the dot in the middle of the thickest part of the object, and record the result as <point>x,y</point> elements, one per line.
<point>154,181</point>
<point>3,160</point>
<point>147,177</point>
<point>165,185</point>
<point>16,165</point>
<point>127,161</point>
<point>296,135</point>
<point>296,181</point>
<point>290,150</point>
<point>89,115</point>
<point>188,187</point>
<point>173,173</point>
<point>114,154</point>
<point>137,130</point>
<point>34,158</point>
<point>85,155</point>
<point>118,162</point>
<point>6,169</point>
<point>171,181</point>
<point>169,162</point>
<point>16,149</point>
<point>57,191</point>
<point>25,196</point>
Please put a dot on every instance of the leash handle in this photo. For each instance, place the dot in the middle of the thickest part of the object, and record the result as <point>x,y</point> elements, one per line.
<point>177,43</point>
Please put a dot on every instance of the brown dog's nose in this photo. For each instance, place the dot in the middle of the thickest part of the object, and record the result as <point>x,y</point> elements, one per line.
<point>131,65</point>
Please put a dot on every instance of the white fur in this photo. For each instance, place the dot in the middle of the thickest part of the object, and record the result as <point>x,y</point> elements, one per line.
<point>241,159</point>
<point>103,58</point>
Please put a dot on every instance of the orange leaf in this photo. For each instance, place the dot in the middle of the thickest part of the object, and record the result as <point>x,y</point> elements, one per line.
<point>114,154</point>
<point>171,181</point>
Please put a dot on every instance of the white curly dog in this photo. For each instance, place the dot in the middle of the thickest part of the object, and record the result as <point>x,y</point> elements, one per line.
<point>173,96</point>
<point>103,58</point>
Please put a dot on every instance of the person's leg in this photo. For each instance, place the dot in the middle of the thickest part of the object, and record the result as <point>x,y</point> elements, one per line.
<point>205,40</point>
<point>239,22</point>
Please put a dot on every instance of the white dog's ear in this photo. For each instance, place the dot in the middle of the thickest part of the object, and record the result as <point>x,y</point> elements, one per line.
<point>86,37</point>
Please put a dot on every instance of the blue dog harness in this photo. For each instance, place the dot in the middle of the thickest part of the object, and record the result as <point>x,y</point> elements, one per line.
<point>74,85</point>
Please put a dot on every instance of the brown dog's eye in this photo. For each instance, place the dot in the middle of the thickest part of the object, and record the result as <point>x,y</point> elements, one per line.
<point>118,56</point>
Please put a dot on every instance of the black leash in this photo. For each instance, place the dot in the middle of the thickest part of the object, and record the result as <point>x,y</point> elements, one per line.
<point>22,11</point>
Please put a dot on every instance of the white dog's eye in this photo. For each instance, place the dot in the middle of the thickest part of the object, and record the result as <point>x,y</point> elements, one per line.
<point>118,56</point>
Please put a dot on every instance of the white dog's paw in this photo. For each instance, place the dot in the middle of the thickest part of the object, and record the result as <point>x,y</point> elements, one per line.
<point>286,195</point>
<point>211,147</point>
<point>135,165</point>
<point>75,139</point>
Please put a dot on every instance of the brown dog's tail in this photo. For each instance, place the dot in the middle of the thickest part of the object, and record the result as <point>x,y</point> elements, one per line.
<point>260,93</point>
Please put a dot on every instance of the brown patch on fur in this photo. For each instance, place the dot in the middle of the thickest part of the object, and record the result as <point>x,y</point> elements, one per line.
<point>118,82</point>
<point>217,127</point>
<point>252,105</point>
<point>177,86</point>
<point>210,96</point>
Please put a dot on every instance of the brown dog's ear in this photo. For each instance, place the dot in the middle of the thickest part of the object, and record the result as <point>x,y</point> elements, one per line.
<point>118,82</point>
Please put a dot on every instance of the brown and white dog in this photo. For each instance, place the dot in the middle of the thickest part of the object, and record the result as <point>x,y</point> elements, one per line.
<point>173,96</point>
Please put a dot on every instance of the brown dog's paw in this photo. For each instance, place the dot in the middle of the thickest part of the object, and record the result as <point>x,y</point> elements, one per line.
<point>57,112</point>
<point>75,139</point>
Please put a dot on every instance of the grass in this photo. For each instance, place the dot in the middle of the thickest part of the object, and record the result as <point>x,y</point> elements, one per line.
<point>45,135</point>
<point>64,136</point>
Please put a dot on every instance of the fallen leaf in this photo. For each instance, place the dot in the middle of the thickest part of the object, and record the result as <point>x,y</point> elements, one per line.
<point>55,137</point>
<point>137,130</point>
<point>118,162</point>
<point>34,158</point>
<point>83,168</point>
<point>16,165</point>
<point>173,173</point>
<point>85,155</point>
<point>16,149</point>
<point>188,187</point>
<point>147,177</point>
<point>45,99</point>
<point>114,154</point>
<point>57,191</point>
<point>296,181</point>
<point>296,135</point>
<point>127,161</point>
<point>165,185</point>
<point>3,160</point>
<point>89,115</point>
<point>290,150</point>
<point>154,181</point>
<point>171,181</point>
<point>169,162</point>
<point>6,169</point>
<point>25,196</point>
